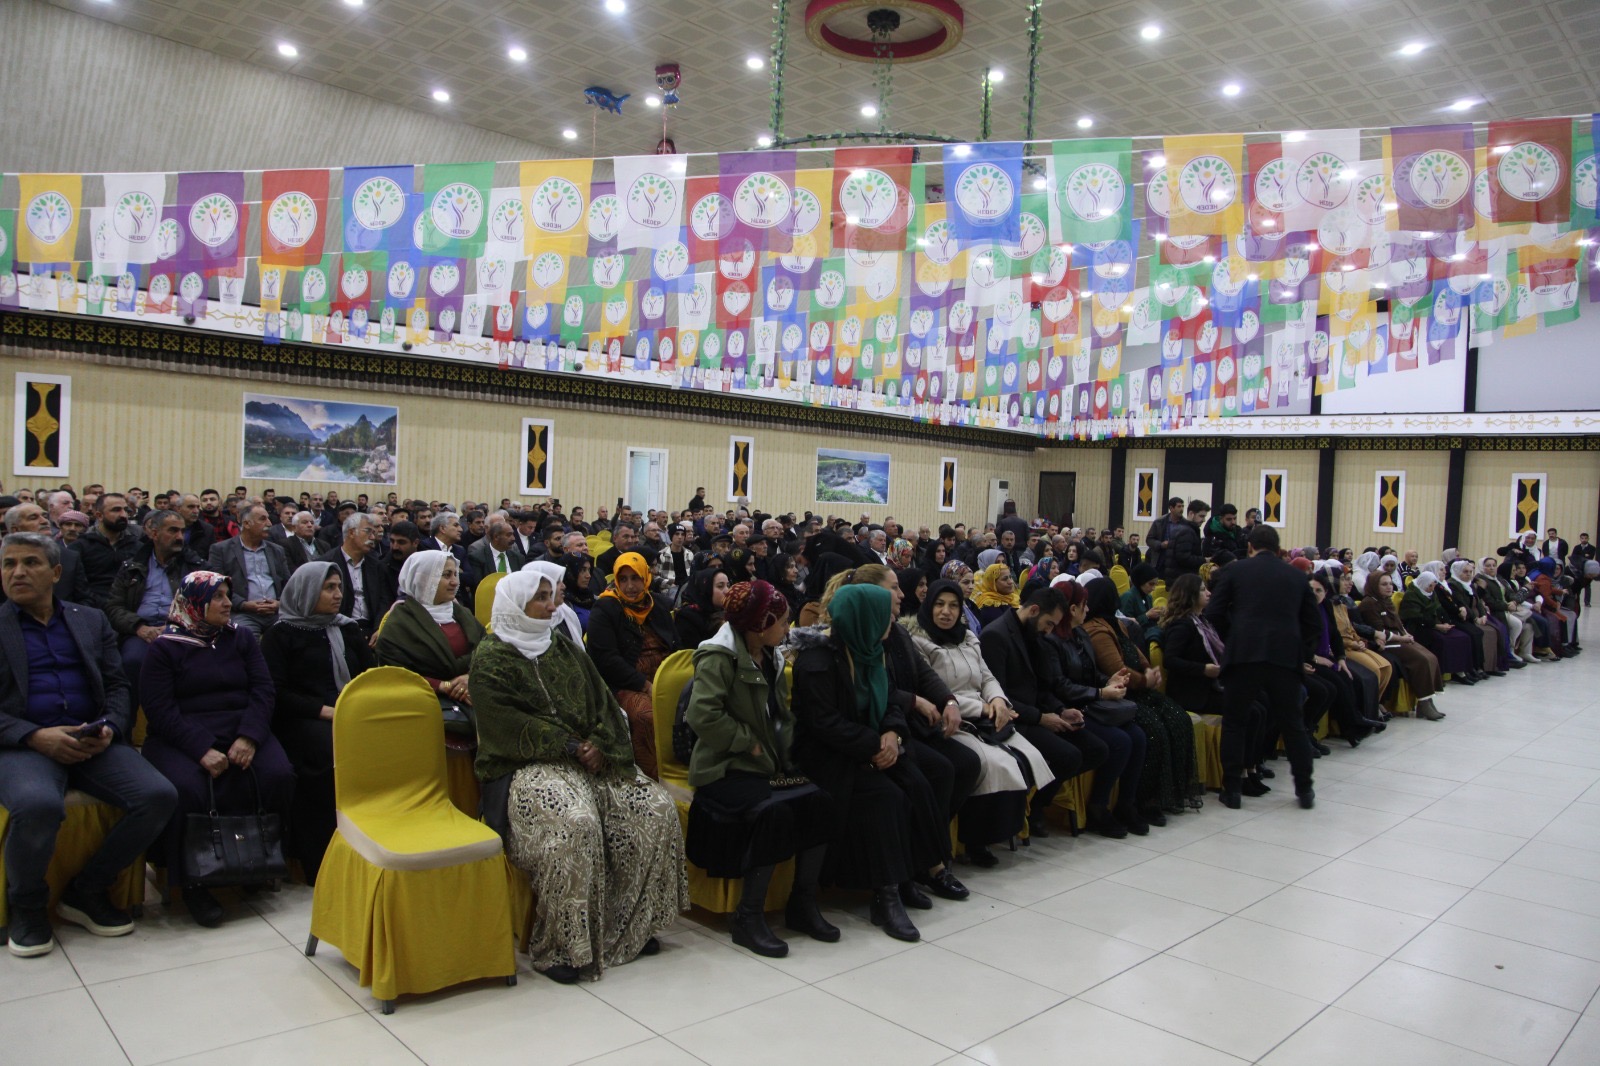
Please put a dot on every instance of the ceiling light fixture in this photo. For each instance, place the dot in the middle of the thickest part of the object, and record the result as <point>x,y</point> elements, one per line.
<point>1233,88</point>
<point>1040,184</point>
<point>755,62</point>
<point>287,50</point>
<point>869,110</point>
<point>1085,122</point>
<point>963,150</point>
<point>1294,136</point>
<point>1464,104</point>
<point>996,77</point>
<point>355,3</point>
<point>1157,161</point>
<point>765,140</point>
<point>616,7</point>
<point>1150,31</point>
<point>1500,149</point>
<point>570,134</point>
<point>1411,48</point>
<point>1252,277</point>
<point>441,95</point>
<point>652,100</point>
<point>517,54</point>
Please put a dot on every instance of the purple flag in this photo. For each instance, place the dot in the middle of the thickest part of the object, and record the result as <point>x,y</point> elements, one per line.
<point>211,212</point>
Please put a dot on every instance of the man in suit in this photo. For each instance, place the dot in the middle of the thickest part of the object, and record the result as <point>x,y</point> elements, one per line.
<point>1014,650</point>
<point>368,595</point>
<point>256,568</point>
<point>302,546</point>
<point>1554,545</point>
<point>624,540</point>
<point>497,552</point>
<point>30,518</point>
<point>282,528</point>
<point>59,672</point>
<point>1264,610</point>
<point>525,532</point>
<point>332,533</point>
<point>447,534</point>
<point>141,594</point>
<point>1582,555</point>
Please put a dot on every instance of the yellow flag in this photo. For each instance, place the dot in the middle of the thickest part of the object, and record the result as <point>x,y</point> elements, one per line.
<point>1205,178</point>
<point>811,217</point>
<point>556,192</point>
<point>47,217</point>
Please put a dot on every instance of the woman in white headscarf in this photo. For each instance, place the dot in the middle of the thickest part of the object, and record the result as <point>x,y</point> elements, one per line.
<point>600,841</point>
<point>429,631</point>
<point>565,617</point>
<point>1366,564</point>
<point>1470,598</point>
<point>1437,628</point>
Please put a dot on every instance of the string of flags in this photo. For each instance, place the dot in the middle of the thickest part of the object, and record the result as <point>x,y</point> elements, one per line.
<point>1089,289</point>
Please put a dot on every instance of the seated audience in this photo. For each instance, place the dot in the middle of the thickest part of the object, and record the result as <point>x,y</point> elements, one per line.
<point>913,586</point>
<point>1358,640</point>
<point>752,808</point>
<point>255,566</point>
<point>599,841</point>
<point>1332,684</point>
<point>1562,618</point>
<point>312,651</point>
<point>72,525</point>
<point>1414,662</point>
<point>495,553</point>
<point>208,696</point>
<point>301,545</point>
<point>134,605</point>
<point>959,572</point>
<point>1518,647</point>
<point>1138,605</point>
<point>104,548</point>
<point>579,581</point>
<point>1170,783</point>
<point>29,518</point>
<point>60,675</point>
<point>429,631</point>
<point>629,635</point>
<point>995,592</point>
<point>1426,620</point>
<point>364,588</point>
<point>699,613</point>
<point>785,572</point>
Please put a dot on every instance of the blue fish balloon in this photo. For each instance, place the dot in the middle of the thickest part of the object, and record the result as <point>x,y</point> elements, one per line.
<point>605,99</point>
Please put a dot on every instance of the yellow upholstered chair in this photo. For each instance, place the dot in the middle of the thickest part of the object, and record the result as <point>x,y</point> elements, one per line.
<point>1208,748</point>
<point>1205,571</point>
<point>1119,577</point>
<point>1158,595</point>
<point>599,543</point>
<point>483,598</point>
<point>412,891</point>
<point>82,832</point>
<point>719,895</point>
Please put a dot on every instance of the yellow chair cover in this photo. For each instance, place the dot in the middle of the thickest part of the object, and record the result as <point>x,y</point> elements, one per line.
<point>412,891</point>
<point>1405,699</point>
<point>1119,577</point>
<point>599,543</point>
<point>719,895</point>
<point>1208,748</point>
<point>82,832</point>
<point>483,598</point>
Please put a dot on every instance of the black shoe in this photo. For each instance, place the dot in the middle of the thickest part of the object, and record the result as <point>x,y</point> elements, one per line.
<point>202,906</point>
<point>1307,798</point>
<point>1319,749</point>
<point>1254,786</point>
<point>1106,824</point>
<point>1517,664</point>
<point>1264,773</point>
<point>1155,816</point>
<point>751,931</point>
<point>914,897</point>
<point>888,912</point>
<point>93,911</point>
<point>803,916</point>
<point>1465,679</point>
<point>1377,725</point>
<point>562,974</point>
<point>651,947</point>
<point>944,885</point>
<point>30,934</point>
<point>982,857</point>
<point>1355,741</point>
<point>1129,816</point>
<point>1037,827</point>
<point>1497,673</point>
<point>1231,798</point>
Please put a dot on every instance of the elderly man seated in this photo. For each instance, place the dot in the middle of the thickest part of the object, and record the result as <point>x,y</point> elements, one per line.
<point>256,568</point>
<point>141,595</point>
<point>367,592</point>
<point>29,518</point>
<point>496,553</point>
<point>65,716</point>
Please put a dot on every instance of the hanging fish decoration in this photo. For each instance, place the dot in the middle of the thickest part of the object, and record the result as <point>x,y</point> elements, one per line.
<point>605,99</point>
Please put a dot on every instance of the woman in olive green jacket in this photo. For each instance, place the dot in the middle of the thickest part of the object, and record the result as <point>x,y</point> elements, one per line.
<point>752,810</point>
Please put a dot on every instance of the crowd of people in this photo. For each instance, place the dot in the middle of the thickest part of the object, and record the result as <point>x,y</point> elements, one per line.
<point>859,688</point>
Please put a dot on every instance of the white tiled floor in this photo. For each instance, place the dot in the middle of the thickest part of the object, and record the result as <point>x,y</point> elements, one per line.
<point>1440,905</point>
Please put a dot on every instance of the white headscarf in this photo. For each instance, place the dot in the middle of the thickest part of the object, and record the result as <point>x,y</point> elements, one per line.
<point>1449,555</point>
<point>565,616</point>
<point>1436,568</point>
<point>1389,563</point>
<point>1366,563</point>
<point>530,636</point>
<point>1459,568</point>
<point>1062,579</point>
<point>1088,576</point>
<point>1426,581</point>
<point>419,580</point>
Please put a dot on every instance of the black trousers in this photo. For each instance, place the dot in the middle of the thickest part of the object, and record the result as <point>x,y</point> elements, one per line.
<point>951,768</point>
<point>1282,691</point>
<point>1345,703</point>
<point>1066,760</point>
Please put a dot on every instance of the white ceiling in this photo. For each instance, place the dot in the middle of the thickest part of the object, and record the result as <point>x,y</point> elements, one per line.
<point>1303,64</point>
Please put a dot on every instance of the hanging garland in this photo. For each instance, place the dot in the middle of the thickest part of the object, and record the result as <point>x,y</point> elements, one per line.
<point>1034,7</point>
<point>780,41</point>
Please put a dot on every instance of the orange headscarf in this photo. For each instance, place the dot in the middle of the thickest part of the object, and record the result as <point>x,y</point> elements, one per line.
<point>638,609</point>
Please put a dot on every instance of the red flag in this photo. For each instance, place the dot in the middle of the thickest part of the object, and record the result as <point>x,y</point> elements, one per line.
<point>1530,166</point>
<point>294,216</point>
<point>1432,171</point>
<point>872,186</point>
<point>710,217</point>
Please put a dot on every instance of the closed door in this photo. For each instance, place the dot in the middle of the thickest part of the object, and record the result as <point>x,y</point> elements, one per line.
<point>646,479</point>
<point>1058,493</point>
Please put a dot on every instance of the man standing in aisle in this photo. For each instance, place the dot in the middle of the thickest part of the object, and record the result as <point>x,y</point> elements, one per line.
<point>1161,531</point>
<point>1265,613</point>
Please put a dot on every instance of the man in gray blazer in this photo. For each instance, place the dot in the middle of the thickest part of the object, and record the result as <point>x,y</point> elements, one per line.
<point>70,730</point>
<point>256,569</point>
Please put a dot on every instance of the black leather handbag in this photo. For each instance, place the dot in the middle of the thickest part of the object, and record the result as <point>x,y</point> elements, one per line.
<point>233,849</point>
<point>1111,712</point>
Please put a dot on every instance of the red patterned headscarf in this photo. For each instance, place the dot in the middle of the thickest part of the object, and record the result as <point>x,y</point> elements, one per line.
<point>186,618</point>
<point>754,607</point>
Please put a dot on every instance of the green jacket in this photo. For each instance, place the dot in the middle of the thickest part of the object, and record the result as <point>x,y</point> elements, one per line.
<point>410,638</point>
<point>728,712</point>
<point>1136,605</point>
<point>1420,611</point>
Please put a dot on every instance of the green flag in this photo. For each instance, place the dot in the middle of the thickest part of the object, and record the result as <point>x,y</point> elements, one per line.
<point>1091,190</point>
<point>455,208</point>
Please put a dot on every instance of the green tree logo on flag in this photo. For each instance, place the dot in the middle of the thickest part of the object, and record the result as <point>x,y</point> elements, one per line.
<point>869,196</point>
<point>214,219</point>
<point>984,191</point>
<point>1273,193</point>
<point>136,217</point>
<point>401,280</point>
<point>1439,178</point>
<point>803,215</point>
<point>49,216</point>
<point>1207,185</point>
<point>556,205</point>
<point>1094,192</point>
<point>292,219</point>
<point>378,203</point>
<point>457,210</point>
<point>651,199</point>
<point>762,200</point>
<point>1324,180</point>
<point>671,261</point>
<point>1529,171</point>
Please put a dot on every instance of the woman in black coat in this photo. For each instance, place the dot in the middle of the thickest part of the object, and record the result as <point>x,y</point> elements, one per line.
<point>312,652</point>
<point>699,613</point>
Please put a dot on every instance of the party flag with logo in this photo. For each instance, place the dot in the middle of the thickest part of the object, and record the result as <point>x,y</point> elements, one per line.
<point>133,204</point>
<point>872,195</point>
<point>1585,181</point>
<point>48,212</point>
<point>760,188</point>
<point>983,186</point>
<point>1203,179</point>
<point>1431,175</point>
<point>1091,185</point>
<point>650,188</point>
<point>557,196</point>
<point>456,206</point>
<point>373,202</point>
<point>293,216</point>
<point>212,208</point>
<point>1531,160</point>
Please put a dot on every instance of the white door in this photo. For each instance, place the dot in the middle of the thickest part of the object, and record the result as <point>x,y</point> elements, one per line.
<point>646,479</point>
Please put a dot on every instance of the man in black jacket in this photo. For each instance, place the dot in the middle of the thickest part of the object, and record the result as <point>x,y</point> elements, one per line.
<point>106,546</point>
<point>1161,529</point>
<point>1223,532</point>
<point>141,594</point>
<point>1011,646</point>
<point>1183,554</point>
<point>367,592</point>
<point>1266,613</point>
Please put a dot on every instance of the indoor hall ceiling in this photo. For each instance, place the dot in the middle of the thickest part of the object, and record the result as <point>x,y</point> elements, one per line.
<point>1300,64</point>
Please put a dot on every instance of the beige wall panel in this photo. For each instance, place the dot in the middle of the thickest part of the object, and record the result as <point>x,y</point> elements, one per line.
<point>1093,487</point>
<point>161,430</point>
<point>1572,479</point>
<point>1354,475</point>
<point>1300,490</point>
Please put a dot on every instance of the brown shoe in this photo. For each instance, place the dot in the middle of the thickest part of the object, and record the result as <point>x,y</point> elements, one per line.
<point>1426,709</point>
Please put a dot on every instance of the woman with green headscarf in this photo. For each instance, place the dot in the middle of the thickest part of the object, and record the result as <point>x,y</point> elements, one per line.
<point>849,740</point>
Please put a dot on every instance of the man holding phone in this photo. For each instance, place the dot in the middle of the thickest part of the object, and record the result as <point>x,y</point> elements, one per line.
<point>65,715</point>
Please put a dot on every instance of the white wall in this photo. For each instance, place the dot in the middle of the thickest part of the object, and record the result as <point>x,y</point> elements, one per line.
<point>1554,369</point>
<point>1432,389</point>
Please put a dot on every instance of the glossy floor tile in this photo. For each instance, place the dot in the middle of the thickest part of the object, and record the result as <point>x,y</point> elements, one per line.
<point>1439,907</point>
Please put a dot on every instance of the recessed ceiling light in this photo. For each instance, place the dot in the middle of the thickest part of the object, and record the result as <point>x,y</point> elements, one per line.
<point>1380,284</point>
<point>287,50</point>
<point>1391,206</point>
<point>1269,223</point>
<point>1464,104</point>
<point>996,77</point>
<point>1159,237</point>
<point>570,134</point>
<point>963,150</point>
<point>852,220</point>
<point>355,3</point>
<point>869,110</point>
<point>441,95</point>
<point>1311,246</point>
<point>517,54</point>
<point>1411,48</point>
<point>1294,136</point>
<point>1040,183</point>
<point>1158,161</point>
<point>755,62</point>
<point>1348,267</point>
<point>1233,88</point>
<point>616,7</point>
<point>1150,31</point>
<point>1208,259</point>
<point>765,140</point>
<point>1426,234</point>
<point>652,100</point>
<point>1085,122</point>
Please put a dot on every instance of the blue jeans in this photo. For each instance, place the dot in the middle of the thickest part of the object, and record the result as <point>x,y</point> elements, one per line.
<point>33,790</point>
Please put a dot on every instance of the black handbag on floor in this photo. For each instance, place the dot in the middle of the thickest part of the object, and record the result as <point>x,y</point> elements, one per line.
<point>233,849</point>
